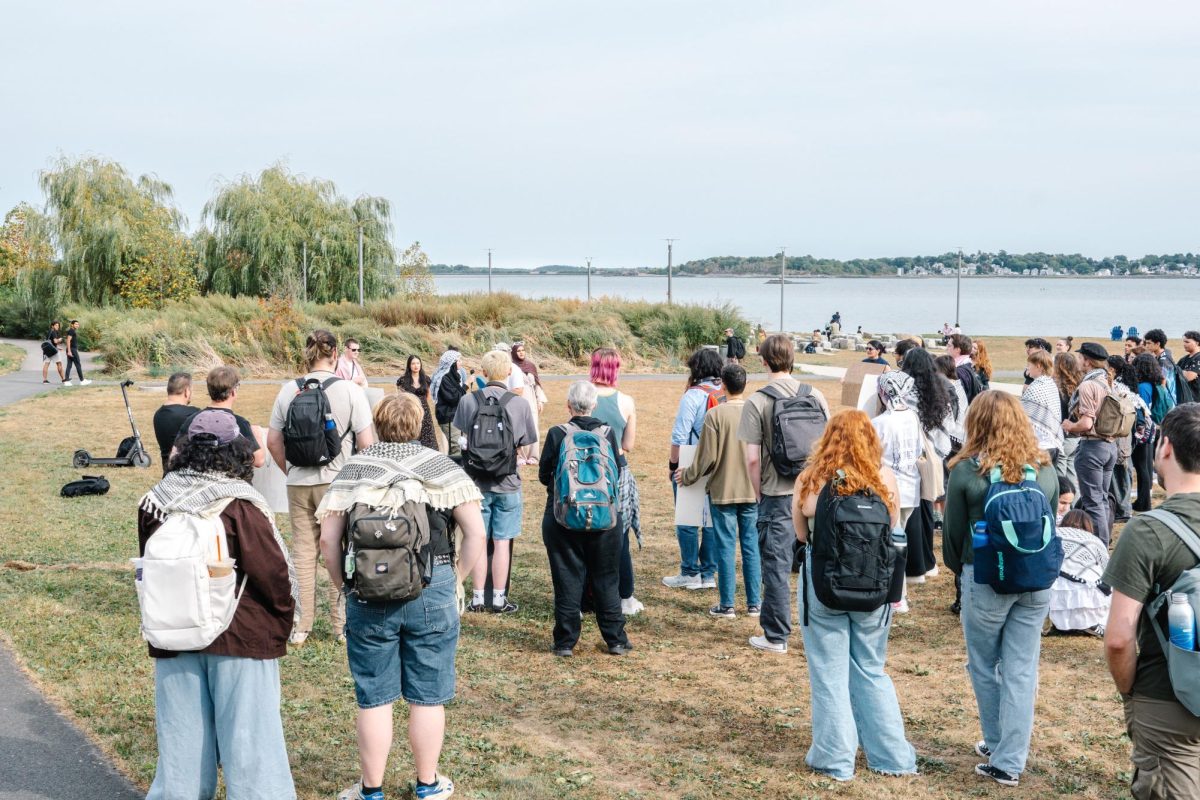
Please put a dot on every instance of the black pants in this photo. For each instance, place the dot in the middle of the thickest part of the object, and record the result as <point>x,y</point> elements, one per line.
<point>625,574</point>
<point>1143,467</point>
<point>73,359</point>
<point>576,558</point>
<point>920,557</point>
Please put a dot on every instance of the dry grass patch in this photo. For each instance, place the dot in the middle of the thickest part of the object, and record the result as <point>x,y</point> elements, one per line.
<point>693,712</point>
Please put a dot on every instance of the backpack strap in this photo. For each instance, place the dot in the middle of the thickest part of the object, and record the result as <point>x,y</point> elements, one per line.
<point>329,382</point>
<point>1178,527</point>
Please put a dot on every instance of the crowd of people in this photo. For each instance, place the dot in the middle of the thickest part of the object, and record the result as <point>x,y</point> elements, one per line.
<point>403,502</point>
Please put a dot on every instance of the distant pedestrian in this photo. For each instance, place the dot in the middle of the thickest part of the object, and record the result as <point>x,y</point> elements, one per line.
<point>1123,380</point>
<point>735,347</point>
<point>446,388</point>
<point>1156,344</point>
<point>1064,345</point>
<point>722,458</point>
<point>959,348</point>
<point>414,381</point>
<point>1148,375</point>
<point>1068,372</point>
<point>1032,346</point>
<point>52,353</point>
<point>1042,403</point>
<point>875,353</point>
<point>348,366</point>
<point>527,371</point>
<point>1097,454</point>
<point>74,346</point>
<point>173,415</point>
<point>1131,342</point>
<point>982,362</point>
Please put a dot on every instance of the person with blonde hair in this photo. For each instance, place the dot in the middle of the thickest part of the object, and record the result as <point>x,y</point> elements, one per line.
<point>402,648</point>
<point>1003,632</point>
<point>853,699</point>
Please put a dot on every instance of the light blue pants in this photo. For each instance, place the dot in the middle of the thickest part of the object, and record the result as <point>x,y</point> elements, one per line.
<point>853,699</point>
<point>219,709</point>
<point>736,524</point>
<point>1004,639</point>
<point>695,547</point>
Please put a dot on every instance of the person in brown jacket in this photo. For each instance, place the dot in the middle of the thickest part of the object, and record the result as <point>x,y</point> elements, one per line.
<point>722,457</point>
<point>222,702</point>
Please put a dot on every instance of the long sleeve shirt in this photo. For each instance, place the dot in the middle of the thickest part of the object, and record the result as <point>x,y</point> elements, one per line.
<point>722,457</point>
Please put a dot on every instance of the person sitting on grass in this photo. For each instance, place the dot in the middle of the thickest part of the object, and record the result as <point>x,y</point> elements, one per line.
<point>721,457</point>
<point>403,648</point>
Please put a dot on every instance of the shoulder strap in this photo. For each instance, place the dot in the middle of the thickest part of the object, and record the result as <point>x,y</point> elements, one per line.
<point>506,398</point>
<point>803,390</point>
<point>772,391</point>
<point>329,382</point>
<point>996,476</point>
<point>1178,527</point>
<point>299,385</point>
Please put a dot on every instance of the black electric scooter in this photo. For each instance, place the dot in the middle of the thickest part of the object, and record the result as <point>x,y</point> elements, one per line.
<point>130,453</point>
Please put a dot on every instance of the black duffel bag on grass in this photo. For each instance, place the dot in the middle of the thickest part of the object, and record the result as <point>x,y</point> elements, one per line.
<point>88,484</point>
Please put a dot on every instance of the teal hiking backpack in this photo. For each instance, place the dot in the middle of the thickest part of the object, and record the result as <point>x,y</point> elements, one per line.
<point>1023,551</point>
<point>1183,666</point>
<point>585,482</point>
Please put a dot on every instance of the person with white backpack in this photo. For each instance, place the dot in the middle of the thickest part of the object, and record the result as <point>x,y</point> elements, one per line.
<point>218,598</point>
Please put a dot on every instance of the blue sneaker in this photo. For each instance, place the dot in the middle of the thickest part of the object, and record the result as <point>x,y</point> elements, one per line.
<point>355,792</point>
<point>442,787</point>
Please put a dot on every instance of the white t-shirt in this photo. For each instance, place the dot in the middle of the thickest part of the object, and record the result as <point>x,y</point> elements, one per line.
<point>900,434</point>
<point>351,412</point>
<point>516,380</point>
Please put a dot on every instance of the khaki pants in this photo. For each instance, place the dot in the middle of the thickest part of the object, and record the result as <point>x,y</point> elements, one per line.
<point>1166,749</point>
<point>306,555</point>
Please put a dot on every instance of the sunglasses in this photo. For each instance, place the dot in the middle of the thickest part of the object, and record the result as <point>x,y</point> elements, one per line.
<point>353,349</point>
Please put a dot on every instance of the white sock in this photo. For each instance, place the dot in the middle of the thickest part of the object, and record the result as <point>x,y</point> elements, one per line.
<point>477,597</point>
<point>498,598</point>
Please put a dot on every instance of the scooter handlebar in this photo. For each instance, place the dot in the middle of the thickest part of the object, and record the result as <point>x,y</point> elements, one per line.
<point>126,383</point>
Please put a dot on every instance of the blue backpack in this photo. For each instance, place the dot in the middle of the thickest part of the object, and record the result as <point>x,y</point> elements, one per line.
<point>586,494</point>
<point>1023,551</point>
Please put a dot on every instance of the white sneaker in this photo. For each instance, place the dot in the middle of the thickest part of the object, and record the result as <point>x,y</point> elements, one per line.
<point>706,583</point>
<point>932,573</point>
<point>682,581</point>
<point>67,383</point>
<point>631,606</point>
<point>84,382</point>
<point>911,579</point>
<point>901,607</point>
<point>763,643</point>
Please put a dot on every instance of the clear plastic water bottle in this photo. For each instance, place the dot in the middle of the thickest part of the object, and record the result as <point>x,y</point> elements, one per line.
<point>900,541</point>
<point>979,536</point>
<point>1181,622</point>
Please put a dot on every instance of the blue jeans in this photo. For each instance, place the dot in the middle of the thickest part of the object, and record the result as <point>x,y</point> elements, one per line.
<point>695,550</point>
<point>502,515</point>
<point>219,708</point>
<point>1003,633</point>
<point>734,524</point>
<point>853,699</point>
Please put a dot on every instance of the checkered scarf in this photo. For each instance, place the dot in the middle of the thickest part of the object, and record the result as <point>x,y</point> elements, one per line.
<point>386,475</point>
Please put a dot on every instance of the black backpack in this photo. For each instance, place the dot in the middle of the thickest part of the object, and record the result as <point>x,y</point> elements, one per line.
<point>48,349</point>
<point>854,564</point>
<point>310,436</point>
<point>491,450</point>
<point>797,422</point>
<point>387,555</point>
<point>89,484</point>
<point>739,348</point>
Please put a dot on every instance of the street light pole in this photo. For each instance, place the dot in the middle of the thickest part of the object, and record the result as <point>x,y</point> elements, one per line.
<point>958,289</point>
<point>304,250</point>
<point>360,265</point>
<point>782,279</point>
<point>489,270</point>
<point>670,296</point>
<point>589,282</point>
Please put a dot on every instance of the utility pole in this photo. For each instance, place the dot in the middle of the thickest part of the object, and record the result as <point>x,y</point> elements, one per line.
<point>489,270</point>
<point>589,282</point>
<point>360,265</point>
<point>782,278</point>
<point>670,245</point>
<point>304,273</point>
<point>958,289</point>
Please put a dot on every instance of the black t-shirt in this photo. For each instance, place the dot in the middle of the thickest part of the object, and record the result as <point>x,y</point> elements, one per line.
<point>1191,363</point>
<point>169,420</point>
<point>441,525</point>
<point>76,341</point>
<point>54,337</point>
<point>243,427</point>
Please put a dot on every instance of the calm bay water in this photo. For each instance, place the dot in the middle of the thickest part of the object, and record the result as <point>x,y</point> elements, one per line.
<point>994,306</point>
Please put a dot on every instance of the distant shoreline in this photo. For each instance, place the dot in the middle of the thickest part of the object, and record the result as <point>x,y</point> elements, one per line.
<point>791,278</point>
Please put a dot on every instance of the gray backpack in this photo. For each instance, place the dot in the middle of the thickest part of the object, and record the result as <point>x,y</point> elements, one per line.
<point>1183,666</point>
<point>387,556</point>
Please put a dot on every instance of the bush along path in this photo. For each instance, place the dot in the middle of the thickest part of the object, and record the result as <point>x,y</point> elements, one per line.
<point>43,756</point>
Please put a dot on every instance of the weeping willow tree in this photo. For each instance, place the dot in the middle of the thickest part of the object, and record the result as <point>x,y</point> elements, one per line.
<point>120,239</point>
<point>284,234</point>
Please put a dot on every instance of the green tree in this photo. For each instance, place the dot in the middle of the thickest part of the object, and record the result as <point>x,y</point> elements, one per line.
<point>261,228</point>
<point>104,223</point>
<point>24,243</point>
<point>413,278</point>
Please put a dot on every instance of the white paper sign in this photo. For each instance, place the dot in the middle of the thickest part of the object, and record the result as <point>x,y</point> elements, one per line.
<point>691,502</point>
<point>868,396</point>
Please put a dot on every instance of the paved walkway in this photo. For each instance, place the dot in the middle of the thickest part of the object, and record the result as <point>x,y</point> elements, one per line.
<point>43,756</point>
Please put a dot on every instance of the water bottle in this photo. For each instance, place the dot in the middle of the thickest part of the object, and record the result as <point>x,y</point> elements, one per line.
<point>348,564</point>
<point>330,424</point>
<point>979,536</point>
<point>900,541</point>
<point>1181,622</point>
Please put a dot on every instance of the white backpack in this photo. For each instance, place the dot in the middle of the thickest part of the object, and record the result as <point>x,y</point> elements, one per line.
<point>182,607</point>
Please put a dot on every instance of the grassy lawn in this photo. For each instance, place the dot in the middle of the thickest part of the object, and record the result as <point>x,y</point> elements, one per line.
<point>11,358</point>
<point>693,712</point>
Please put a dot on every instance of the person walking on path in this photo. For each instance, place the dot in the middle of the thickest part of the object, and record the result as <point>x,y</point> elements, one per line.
<point>447,387</point>
<point>1097,454</point>
<point>721,457</point>
<point>1148,558</point>
<point>54,339</point>
<point>696,567</point>
<point>414,381</point>
<point>617,410</point>
<point>74,346</point>
<point>173,415</point>
<point>735,347</point>
<point>533,394</point>
<point>403,649</point>
<point>348,366</point>
<point>307,483</point>
<point>853,699</point>
<point>221,704</point>
<point>579,557</point>
<point>776,533</point>
<point>1003,632</point>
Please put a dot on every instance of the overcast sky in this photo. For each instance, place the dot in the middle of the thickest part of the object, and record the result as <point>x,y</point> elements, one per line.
<point>552,131</point>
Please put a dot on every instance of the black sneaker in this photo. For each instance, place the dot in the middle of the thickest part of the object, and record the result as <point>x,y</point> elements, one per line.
<point>995,773</point>
<point>956,608</point>
<point>563,652</point>
<point>509,607</point>
<point>725,612</point>
<point>619,649</point>
<point>982,750</point>
<point>477,608</point>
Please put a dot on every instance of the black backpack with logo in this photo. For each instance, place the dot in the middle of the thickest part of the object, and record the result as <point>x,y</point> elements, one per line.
<point>491,450</point>
<point>310,435</point>
<point>854,563</point>
<point>797,422</point>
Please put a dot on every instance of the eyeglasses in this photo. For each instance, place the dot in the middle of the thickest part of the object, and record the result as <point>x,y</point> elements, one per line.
<point>353,349</point>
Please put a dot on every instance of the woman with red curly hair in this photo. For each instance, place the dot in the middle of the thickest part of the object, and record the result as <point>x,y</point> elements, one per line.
<point>853,699</point>
<point>1003,632</point>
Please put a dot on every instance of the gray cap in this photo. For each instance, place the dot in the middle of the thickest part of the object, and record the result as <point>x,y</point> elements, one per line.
<point>214,422</point>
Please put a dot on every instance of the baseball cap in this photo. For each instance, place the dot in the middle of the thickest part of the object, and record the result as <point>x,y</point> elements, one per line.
<point>220,424</point>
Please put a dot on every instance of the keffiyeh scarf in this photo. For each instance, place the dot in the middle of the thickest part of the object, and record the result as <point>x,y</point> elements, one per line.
<point>445,364</point>
<point>388,474</point>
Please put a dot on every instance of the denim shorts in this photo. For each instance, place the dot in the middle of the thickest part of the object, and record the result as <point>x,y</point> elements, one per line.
<point>502,515</point>
<point>405,649</point>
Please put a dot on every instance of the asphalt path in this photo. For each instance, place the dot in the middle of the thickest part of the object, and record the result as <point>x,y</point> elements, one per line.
<point>43,756</point>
